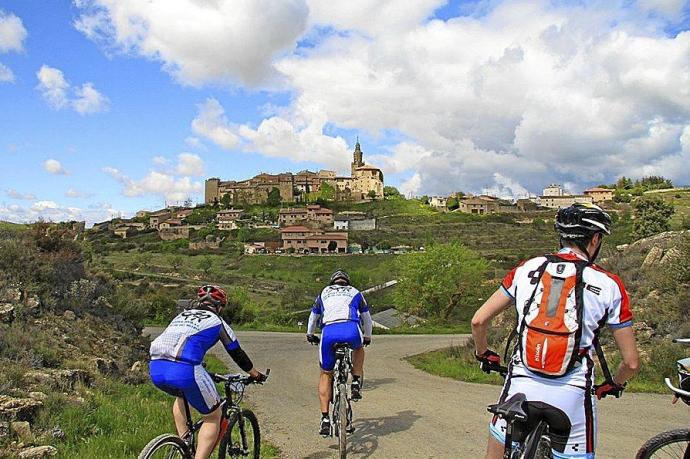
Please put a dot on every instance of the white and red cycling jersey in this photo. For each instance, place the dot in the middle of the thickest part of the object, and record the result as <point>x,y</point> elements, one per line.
<point>605,303</point>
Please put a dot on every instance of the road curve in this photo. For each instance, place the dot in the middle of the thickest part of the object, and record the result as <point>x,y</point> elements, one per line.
<point>407,413</point>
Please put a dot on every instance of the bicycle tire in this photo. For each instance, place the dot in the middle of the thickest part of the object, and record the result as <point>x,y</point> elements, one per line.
<point>674,439</point>
<point>157,444</point>
<point>233,437</point>
<point>342,420</point>
<point>538,444</point>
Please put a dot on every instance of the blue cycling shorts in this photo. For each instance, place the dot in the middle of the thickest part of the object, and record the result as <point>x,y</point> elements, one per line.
<point>340,332</point>
<point>185,380</point>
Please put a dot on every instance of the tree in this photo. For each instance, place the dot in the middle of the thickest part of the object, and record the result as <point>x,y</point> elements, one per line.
<point>176,262</point>
<point>226,200</point>
<point>205,264</point>
<point>243,234</point>
<point>435,283</point>
<point>372,194</point>
<point>453,203</point>
<point>652,216</point>
<point>274,198</point>
<point>624,183</point>
<point>327,192</point>
<point>391,192</point>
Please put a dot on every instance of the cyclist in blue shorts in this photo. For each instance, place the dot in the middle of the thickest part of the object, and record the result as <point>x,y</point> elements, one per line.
<point>176,363</point>
<point>340,308</point>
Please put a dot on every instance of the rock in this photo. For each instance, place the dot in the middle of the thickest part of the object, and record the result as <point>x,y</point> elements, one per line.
<point>622,247</point>
<point>4,430</point>
<point>643,332</point>
<point>672,255</point>
<point>69,315</point>
<point>6,313</point>
<point>105,366</point>
<point>18,409</point>
<point>136,367</point>
<point>61,379</point>
<point>38,396</point>
<point>10,295</point>
<point>38,452</point>
<point>32,302</point>
<point>22,430</point>
<point>57,433</point>
<point>653,257</point>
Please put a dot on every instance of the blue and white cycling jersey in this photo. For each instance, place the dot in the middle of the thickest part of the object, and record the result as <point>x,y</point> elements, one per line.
<point>190,335</point>
<point>340,303</point>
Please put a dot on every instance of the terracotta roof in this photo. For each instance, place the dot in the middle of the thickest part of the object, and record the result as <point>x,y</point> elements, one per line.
<point>367,168</point>
<point>298,210</point>
<point>329,236</point>
<point>597,189</point>
<point>296,229</point>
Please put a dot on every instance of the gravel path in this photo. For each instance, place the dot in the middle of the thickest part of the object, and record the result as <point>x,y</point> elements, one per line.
<point>407,413</point>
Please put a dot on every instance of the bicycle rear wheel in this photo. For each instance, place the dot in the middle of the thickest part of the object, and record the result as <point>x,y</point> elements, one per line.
<point>165,446</point>
<point>242,431</point>
<point>342,420</point>
<point>671,444</point>
<point>538,444</point>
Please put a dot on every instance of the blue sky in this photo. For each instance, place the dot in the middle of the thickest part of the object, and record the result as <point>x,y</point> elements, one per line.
<point>100,98</point>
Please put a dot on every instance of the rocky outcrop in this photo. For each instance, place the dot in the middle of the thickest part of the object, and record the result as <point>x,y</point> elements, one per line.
<point>18,409</point>
<point>58,379</point>
<point>22,430</point>
<point>7,313</point>
<point>38,452</point>
<point>653,257</point>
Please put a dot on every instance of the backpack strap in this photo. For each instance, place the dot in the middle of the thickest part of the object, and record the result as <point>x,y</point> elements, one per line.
<point>602,360</point>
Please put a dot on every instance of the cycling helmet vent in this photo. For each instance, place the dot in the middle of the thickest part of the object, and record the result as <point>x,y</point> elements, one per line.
<point>340,277</point>
<point>581,221</point>
<point>212,294</point>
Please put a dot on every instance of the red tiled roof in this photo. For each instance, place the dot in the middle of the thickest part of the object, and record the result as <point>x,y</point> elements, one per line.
<point>296,229</point>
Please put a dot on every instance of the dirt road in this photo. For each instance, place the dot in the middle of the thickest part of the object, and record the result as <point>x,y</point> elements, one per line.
<point>407,413</point>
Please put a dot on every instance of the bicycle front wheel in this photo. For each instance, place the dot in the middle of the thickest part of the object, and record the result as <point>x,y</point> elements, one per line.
<point>242,439</point>
<point>342,421</point>
<point>165,446</point>
<point>671,444</point>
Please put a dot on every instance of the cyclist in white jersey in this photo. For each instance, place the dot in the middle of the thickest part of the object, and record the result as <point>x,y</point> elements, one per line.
<point>176,367</point>
<point>605,302</point>
<point>341,309</point>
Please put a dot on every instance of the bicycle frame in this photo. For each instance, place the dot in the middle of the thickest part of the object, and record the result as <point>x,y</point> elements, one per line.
<point>343,368</point>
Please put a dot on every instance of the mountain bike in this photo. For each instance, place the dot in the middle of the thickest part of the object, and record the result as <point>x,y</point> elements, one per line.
<point>239,434</point>
<point>674,443</point>
<point>515,411</point>
<point>342,408</point>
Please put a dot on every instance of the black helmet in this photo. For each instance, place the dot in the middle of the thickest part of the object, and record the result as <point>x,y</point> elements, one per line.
<point>340,276</point>
<point>581,221</point>
<point>683,367</point>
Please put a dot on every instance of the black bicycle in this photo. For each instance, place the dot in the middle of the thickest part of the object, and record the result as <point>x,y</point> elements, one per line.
<point>239,435</point>
<point>342,408</point>
<point>527,434</point>
<point>674,443</point>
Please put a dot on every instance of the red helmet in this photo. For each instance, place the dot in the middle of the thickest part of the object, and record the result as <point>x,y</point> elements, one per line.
<point>213,294</point>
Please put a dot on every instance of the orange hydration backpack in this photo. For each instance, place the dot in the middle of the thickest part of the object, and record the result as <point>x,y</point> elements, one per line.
<point>551,326</point>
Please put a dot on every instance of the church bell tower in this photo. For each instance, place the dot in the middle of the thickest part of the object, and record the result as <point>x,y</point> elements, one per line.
<point>357,160</point>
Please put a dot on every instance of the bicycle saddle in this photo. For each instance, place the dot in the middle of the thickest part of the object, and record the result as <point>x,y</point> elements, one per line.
<point>341,346</point>
<point>510,409</point>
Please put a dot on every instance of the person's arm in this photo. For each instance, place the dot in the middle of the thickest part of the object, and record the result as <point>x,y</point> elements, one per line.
<point>232,347</point>
<point>497,303</point>
<point>313,322</point>
<point>630,365</point>
<point>367,325</point>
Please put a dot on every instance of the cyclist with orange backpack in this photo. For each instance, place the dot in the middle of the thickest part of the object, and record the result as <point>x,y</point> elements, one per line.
<point>562,301</point>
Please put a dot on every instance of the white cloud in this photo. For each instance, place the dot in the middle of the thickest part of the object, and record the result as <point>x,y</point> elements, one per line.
<point>54,167</point>
<point>6,74</point>
<point>72,193</point>
<point>160,160</point>
<point>55,91</point>
<point>672,9</point>
<point>157,183</point>
<point>194,142</point>
<point>12,33</point>
<point>190,165</point>
<point>88,100</point>
<point>226,41</point>
<point>53,211</point>
<point>53,86</point>
<point>14,194</point>
<point>212,124</point>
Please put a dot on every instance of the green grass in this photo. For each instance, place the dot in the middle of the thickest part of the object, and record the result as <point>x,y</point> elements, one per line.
<point>117,419</point>
<point>681,201</point>
<point>458,363</point>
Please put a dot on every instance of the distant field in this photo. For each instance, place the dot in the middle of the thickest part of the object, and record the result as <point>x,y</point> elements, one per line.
<point>681,201</point>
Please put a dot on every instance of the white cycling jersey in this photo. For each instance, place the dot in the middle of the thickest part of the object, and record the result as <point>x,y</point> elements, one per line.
<point>340,303</point>
<point>605,302</point>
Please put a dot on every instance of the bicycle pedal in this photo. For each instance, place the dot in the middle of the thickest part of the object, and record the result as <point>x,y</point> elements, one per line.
<point>350,429</point>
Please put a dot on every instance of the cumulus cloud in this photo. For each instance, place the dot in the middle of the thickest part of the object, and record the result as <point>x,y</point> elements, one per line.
<point>14,194</point>
<point>212,124</point>
<point>72,193</point>
<point>190,165</point>
<point>12,33</point>
<point>6,74</point>
<point>54,167</point>
<point>53,211</point>
<point>234,41</point>
<point>170,187</point>
<point>160,160</point>
<point>55,90</point>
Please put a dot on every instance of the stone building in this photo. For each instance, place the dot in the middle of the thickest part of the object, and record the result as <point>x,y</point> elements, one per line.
<point>478,205</point>
<point>365,182</point>
<point>314,214</point>
<point>309,240</point>
<point>558,202</point>
<point>227,219</point>
<point>600,194</point>
<point>553,190</point>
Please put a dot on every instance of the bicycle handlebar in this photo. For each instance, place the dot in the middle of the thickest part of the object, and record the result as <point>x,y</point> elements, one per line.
<point>489,367</point>
<point>238,378</point>
<point>679,392</point>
